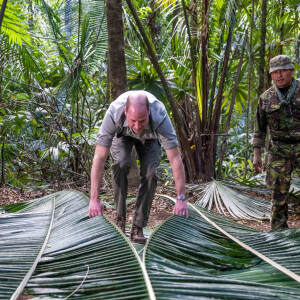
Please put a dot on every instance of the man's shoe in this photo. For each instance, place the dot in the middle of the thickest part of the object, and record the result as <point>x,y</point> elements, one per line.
<point>136,235</point>
<point>121,220</point>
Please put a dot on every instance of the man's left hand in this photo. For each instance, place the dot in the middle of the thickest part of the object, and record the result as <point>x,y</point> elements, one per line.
<point>181,208</point>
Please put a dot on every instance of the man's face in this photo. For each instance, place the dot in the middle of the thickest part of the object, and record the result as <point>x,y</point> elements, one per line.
<point>282,78</point>
<point>137,117</point>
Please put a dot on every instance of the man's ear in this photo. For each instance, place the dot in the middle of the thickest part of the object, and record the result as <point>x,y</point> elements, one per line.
<point>125,112</point>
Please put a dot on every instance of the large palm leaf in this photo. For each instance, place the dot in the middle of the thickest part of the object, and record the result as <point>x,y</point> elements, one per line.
<point>204,256</point>
<point>80,257</point>
<point>229,201</point>
<point>14,24</point>
<point>211,257</point>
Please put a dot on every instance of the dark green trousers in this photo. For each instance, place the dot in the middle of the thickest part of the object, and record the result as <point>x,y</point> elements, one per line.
<point>149,155</point>
<point>283,159</point>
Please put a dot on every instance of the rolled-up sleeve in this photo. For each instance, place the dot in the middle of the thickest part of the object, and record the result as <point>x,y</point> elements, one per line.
<point>167,133</point>
<point>107,130</point>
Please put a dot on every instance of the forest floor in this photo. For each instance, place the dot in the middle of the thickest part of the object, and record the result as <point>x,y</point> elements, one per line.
<point>160,211</point>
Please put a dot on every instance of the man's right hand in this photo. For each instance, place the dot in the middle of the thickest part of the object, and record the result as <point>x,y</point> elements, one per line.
<point>257,163</point>
<point>95,208</point>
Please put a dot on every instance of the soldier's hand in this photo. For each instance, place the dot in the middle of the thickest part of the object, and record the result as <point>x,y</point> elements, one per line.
<point>257,163</point>
<point>181,208</point>
<point>95,208</point>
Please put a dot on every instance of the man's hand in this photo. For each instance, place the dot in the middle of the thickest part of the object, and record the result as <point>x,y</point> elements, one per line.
<point>181,208</point>
<point>101,154</point>
<point>257,161</point>
<point>95,208</point>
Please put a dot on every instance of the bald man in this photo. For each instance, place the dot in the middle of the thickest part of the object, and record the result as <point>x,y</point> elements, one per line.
<point>136,118</point>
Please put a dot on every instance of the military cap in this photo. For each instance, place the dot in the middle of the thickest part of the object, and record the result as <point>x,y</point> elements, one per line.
<point>280,62</point>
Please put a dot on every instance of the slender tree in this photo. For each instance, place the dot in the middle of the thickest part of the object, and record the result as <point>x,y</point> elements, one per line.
<point>2,11</point>
<point>116,55</point>
<point>250,80</point>
<point>262,49</point>
<point>117,83</point>
<point>281,29</point>
<point>232,103</point>
<point>152,23</point>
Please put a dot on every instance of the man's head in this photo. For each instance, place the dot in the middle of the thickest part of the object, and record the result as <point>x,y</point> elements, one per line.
<point>137,112</point>
<point>281,70</point>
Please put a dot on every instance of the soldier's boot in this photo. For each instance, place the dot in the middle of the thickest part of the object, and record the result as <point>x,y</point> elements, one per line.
<point>136,235</point>
<point>121,220</point>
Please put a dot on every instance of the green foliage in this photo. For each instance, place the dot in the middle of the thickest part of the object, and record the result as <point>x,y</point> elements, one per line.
<point>233,164</point>
<point>62,253</point>
<point>14,24</point>
<point>52,249</point>
<point>52,94</point>
<point>196,260</point>
<point>53,76</point>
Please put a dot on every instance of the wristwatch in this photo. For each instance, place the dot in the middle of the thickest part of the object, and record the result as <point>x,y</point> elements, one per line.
<point>181,197</point>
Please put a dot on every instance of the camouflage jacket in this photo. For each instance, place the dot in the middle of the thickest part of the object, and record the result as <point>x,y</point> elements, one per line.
<point>282,120</point>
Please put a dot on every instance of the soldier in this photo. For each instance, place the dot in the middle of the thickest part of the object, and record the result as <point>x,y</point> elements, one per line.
<point>278,111</point>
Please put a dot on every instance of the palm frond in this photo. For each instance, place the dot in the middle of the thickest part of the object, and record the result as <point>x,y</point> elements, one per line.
<point>14,24</point>
<point>86,258</point>
<point>229,201</point>
<point>192,259</point>
<point>20,244</point>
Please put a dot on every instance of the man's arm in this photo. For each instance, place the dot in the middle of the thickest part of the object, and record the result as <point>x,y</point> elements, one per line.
<point>101,154</point>
<point>181,207</point>
<point>257,161</point>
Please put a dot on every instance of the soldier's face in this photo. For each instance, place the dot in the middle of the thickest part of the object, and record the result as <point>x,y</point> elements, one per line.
<point>282,78</point>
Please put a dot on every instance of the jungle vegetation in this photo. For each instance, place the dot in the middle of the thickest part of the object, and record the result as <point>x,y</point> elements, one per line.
<point>63,61</point>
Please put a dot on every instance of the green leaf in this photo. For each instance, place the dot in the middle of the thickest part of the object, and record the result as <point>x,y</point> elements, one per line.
<point>228,201</point>
<point>199,258</point>
<point>85,258</point>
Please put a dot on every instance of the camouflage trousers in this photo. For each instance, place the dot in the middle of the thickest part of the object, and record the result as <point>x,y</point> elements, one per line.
<point>283,159</point>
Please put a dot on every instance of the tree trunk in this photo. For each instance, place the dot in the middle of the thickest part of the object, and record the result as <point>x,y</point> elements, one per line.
<point>210,138</point>
<point>116,55</point>
<point>281,29</point>
<point>262,50</point>
<point>152,23</point>
<point>233,99</point>
<point>117,81</point>
<point>3,7</point>
<point>194,135</point>
<point>249,82</point>
<point>204,61</point>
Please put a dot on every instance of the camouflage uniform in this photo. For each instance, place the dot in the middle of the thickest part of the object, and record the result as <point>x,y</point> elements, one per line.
<point>281,115</point>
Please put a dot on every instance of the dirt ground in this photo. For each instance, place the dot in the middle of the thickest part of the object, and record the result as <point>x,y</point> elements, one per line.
<point>160,211</point>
